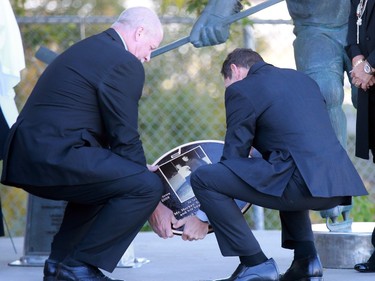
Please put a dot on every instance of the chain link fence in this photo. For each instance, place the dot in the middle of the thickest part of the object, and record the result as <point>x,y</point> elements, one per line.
<point>182,99</point>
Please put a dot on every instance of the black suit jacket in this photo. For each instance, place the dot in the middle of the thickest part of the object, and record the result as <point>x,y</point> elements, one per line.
<point>282,113</point>
<point>80,123</point>
<point>365,47</point>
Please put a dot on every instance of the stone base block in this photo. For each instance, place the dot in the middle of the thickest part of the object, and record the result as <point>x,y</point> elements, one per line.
<point>344,249</point>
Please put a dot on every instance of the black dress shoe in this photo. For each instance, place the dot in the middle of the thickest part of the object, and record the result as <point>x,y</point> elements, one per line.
<point>307,269</point>
<point>50,270</point>
<point>83,272</point>
<point>365,267</point>
<point>266,271</point>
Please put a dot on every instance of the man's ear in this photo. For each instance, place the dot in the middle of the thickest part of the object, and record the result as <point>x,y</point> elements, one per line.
<point>139,33</point>
<point>234,70</point>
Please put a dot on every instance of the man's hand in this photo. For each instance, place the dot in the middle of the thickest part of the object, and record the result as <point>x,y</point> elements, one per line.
<point>194,228</point>
<point>360,78</point>
<point>152,168</point>
<point>161,221</point>
<point>209,30</point>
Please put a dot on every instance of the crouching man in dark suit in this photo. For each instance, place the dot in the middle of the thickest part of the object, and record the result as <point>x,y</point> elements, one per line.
<point>281,113</point>
<point>77,140</point>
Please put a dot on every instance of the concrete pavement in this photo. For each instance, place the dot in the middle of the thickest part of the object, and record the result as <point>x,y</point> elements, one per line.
<point>174,260</point>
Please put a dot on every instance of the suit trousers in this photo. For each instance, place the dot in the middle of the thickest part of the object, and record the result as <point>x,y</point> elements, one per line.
<point>102,219</point>
<point>371,120</point>
<point>215,186</point>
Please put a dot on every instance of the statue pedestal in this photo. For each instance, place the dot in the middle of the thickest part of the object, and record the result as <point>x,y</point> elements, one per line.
<point>344,249</point>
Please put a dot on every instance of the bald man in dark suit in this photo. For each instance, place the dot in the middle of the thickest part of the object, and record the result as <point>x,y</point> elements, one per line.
<point>77,140</point>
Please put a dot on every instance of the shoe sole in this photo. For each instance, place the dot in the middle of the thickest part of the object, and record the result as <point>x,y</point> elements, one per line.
<point>311,279</point>
<point>49,278</point>
<point>365,270</point>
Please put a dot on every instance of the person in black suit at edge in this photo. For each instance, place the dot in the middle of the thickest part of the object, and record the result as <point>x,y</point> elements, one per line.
<point>76,139</point>
<point>361,50</point>
<point>282,114</point>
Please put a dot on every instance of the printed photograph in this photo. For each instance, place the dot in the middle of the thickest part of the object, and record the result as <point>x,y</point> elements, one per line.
<point>177,171</point>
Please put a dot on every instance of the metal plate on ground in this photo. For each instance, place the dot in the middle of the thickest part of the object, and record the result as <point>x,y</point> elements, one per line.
<point>175,168</point>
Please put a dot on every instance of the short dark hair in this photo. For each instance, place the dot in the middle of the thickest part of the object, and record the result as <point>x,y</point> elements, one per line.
<point>243,57</point>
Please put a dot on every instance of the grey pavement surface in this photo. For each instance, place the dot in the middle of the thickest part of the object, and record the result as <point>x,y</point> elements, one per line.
<point>173,260</point>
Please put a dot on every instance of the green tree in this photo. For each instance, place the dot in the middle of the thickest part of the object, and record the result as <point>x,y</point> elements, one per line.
<point>67,7</point>
<point>194,6</point>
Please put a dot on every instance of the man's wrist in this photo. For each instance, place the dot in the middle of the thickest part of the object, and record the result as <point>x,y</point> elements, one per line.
<point>367,68</point>
<point>358,62</point>
<point>202,216</point>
